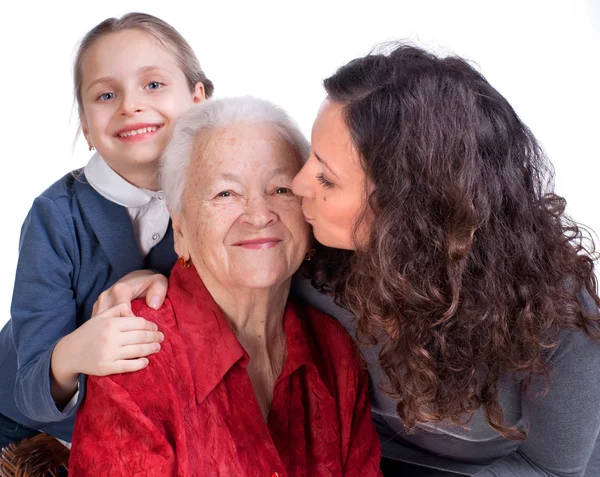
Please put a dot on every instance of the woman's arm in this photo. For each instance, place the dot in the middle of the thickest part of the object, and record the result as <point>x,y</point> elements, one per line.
<point>565,422</point>
<point>113,436</point>
<point>133,424</point>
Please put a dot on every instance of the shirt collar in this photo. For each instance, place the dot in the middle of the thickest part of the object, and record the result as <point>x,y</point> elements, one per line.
<point>212,346</point>
<point>113,187</point>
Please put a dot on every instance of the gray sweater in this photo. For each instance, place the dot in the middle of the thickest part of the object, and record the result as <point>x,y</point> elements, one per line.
<point>563,424</point>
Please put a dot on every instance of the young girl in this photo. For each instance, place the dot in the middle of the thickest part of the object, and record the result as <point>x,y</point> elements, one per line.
<point>133,77</point>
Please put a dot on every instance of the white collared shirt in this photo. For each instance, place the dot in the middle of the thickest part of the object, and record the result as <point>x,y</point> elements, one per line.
<point>147,209</point>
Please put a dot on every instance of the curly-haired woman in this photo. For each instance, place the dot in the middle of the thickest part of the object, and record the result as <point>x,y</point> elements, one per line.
<point>460,265</point>
<point>473,295</point>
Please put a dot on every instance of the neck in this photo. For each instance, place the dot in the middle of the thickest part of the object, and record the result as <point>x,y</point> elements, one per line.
<point>256,318</point>
<point>254,314</point>
<point>143,176</point>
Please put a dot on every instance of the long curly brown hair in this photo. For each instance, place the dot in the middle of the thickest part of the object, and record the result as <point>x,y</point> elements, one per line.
<point>472,267</point>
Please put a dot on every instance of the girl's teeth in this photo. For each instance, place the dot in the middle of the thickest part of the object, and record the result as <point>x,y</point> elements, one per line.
<point>138,131</point>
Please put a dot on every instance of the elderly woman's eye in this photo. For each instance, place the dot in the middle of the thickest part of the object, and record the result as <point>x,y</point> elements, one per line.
<point>225,193</point>
<point>283,190</point>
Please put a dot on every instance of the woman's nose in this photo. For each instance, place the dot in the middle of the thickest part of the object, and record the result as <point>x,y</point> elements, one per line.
<point>259,213</point>
<point>301,185</point>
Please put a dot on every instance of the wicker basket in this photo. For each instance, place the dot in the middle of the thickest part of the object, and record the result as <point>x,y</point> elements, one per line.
<point>39,456</point>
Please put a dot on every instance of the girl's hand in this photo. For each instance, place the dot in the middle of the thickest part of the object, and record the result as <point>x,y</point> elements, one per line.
<point>112,342</point>
<point>141,283</point>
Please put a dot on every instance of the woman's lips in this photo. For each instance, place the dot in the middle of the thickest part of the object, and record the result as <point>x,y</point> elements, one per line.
<point>259,243</point>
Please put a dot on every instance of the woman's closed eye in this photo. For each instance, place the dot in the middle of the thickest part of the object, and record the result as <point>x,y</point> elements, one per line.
<point>324,182</point>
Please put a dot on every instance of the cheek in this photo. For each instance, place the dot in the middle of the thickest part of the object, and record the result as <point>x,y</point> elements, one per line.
<point>293,219</point>
<point>203,231</point>
<point>212,227</point>
<point>174,106</point>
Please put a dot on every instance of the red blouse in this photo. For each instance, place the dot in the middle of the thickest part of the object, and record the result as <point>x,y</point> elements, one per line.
<point>193,410</point>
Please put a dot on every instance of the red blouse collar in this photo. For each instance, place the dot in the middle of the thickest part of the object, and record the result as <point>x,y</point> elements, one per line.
<point>211,345</point>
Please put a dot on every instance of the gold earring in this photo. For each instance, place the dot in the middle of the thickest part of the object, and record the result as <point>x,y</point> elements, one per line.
<point>184,263</point>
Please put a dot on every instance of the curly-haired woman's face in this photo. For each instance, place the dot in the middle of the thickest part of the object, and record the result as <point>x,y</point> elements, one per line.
<point>332,182</point>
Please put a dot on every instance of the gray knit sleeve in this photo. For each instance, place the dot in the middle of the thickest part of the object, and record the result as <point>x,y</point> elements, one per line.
<point>564,423</point>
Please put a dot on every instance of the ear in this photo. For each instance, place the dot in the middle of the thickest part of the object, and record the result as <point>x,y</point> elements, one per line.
<point>181,247</point>
<point>199,94</point>
<point>86,131</point>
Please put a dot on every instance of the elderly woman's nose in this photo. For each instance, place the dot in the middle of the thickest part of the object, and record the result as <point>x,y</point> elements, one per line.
<point>259,212</point>
<point>301,185</point>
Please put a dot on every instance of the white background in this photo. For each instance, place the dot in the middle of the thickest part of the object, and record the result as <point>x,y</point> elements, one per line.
<point>544,56</point>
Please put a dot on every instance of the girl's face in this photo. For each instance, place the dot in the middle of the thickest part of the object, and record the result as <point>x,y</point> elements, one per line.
<point>132,92</point>
<point>332,182</point>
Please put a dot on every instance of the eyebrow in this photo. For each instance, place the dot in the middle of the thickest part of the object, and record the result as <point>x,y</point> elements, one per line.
<point>107,79</point>
<point>236,178</point>
<point>322,161</point>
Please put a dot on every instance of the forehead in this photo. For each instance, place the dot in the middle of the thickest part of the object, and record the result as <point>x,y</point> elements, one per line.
<point>124,52</point>
<point>248,149</point>
<point>331,138</point>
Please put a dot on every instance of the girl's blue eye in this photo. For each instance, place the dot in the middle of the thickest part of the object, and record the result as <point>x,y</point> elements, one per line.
<point>154,85</point>
<point>106,96</point>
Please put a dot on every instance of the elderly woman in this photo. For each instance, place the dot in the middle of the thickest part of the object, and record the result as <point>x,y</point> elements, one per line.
<point>247,382</point>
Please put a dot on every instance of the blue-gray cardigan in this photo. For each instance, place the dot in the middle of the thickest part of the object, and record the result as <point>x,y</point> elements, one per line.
<point>74,245</point>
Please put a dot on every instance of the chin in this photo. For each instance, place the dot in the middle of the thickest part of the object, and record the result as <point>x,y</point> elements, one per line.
<point>330,241</point>
<point>258,279</point>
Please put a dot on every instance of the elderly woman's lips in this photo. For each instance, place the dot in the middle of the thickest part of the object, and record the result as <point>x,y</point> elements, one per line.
<point>257,244</point>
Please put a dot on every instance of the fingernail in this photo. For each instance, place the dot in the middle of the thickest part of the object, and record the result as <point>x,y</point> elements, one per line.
<point>161,337</point>
<point>154,302</point>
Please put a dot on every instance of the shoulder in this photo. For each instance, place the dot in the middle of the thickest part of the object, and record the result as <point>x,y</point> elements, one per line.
<point>329,335</point>
<point>64,187</point>
<point>164,317</point>
<point>340,363</point>
<point>58,197</point>
<point>163,366</point>
<point>575,343</point>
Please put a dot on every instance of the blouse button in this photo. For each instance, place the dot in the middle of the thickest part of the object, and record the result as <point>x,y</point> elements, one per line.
<point>155,237</point>
<point>276,474</point>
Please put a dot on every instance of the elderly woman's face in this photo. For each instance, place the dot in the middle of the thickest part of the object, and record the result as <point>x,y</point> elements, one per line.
<point>240,223</point>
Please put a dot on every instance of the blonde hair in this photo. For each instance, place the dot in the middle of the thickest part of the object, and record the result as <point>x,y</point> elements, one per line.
<point>218,114</point>
<point>158,29</point>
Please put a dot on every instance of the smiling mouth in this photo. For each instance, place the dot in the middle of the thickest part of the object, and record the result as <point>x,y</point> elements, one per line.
<point>136,132</point>
<point>258,244</point>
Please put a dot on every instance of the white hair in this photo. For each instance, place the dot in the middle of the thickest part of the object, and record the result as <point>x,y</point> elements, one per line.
<point>215,114</point>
